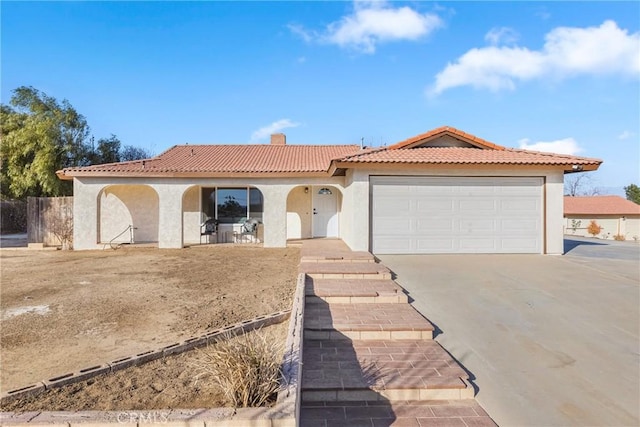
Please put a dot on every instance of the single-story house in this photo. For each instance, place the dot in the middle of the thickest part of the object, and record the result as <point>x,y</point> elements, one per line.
<point>617,216</point>
<point>444,191</point>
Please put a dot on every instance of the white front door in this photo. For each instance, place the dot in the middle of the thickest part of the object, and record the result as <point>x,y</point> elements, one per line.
<point>325,211</point>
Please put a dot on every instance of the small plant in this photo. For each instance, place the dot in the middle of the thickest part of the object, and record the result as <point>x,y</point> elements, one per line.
<point>619,237</point>
<point>61,227</point>
<point>636,238</point>
<point>594,229</point>
<point>246,369</point>
<point>575,224</point>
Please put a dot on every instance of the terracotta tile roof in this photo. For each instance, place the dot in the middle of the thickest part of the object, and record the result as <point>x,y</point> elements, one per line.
<point>444,130</point>
<point>464,155</point>
<point>599,205</point>
<point>227,159</point>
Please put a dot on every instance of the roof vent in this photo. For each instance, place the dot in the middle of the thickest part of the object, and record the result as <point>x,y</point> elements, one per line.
<point>278,139</point>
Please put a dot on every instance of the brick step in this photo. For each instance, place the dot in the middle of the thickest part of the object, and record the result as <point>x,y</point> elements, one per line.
<point>358,291</point>
<point>375,370</point>
<point>402,413</point>
<point>345,270</point>
<point>365,321</point>
<point>329,256</point>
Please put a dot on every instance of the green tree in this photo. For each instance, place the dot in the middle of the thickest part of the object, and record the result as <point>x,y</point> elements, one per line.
<point>130,152</point>
<point>109,149</point>
<point>633,193</point>
<point>39,136</point>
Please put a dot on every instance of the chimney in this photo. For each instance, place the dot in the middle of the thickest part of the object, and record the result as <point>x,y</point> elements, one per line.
<point>278,139</point>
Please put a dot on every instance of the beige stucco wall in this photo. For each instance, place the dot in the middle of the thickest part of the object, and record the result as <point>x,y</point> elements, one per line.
<point>125,205</point>
<point>178,220</point>
<point>357,204</point>
<point>628,226</point>
<point>299,213</point>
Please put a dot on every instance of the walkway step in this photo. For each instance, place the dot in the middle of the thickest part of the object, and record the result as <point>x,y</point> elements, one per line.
<point>404,413</point>
<point>365,322</point>
<point>376,370</point>
<point>328,256</point>
<point>357,291</point>
<point>345,270</point>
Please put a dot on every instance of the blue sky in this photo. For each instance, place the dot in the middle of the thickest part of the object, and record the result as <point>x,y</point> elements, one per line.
<point>558,76</point>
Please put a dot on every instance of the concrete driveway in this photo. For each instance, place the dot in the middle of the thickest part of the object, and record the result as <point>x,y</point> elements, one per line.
<point>551,340</point>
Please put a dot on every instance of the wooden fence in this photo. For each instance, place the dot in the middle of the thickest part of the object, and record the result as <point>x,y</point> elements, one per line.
<point>50,220</point>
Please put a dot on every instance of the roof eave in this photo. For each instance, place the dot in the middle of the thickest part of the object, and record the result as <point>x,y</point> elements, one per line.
<point>290,174</point>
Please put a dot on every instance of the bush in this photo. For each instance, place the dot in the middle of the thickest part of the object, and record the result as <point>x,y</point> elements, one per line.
<point>619,237</point>
<point>594,229</point>
<point>246,369</point>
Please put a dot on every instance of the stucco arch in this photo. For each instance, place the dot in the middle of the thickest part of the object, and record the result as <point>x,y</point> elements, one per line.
<point>300,204</point>
<point>120,206</point>
<point>192,215</point>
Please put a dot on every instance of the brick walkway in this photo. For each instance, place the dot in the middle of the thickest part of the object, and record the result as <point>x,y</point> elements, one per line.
<point>368,356</point>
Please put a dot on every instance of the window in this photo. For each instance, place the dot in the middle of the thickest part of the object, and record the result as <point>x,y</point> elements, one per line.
<point>232,205</point>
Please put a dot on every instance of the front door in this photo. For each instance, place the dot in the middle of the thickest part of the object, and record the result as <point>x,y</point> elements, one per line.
<point>325,212</point>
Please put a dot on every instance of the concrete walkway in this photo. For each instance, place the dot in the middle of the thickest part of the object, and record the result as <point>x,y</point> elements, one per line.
<point>368,356</point>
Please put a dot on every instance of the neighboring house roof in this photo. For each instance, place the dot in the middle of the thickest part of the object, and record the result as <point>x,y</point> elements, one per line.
<point>225,159</point>
<point>599,205</point>
<point>445,145</point>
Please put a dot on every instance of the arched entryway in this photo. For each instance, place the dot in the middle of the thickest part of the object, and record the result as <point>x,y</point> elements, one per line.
<point>128,214</point>
<point>313,211</point>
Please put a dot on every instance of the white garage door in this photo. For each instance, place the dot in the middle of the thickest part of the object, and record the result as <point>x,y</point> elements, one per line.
<point>413,215</point>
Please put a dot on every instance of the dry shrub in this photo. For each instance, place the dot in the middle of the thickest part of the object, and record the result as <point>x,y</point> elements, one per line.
<point>619,237</point>
<point>247,368</point>
<point>594,229</point>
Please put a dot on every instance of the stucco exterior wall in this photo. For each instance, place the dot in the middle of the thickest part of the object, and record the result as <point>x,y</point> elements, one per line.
<point>357,199</point>
<point>299,213</point>
<point>178,220</point>
<point>627,225</point>
<point>125,205</point>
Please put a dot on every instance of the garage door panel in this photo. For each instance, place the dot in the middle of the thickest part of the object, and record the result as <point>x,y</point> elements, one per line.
<point>435,225</point>
<point>477,206</point>
<point>527,206</point>
<point>434,245</point>
<point>478,245</point>
<point>456,215</point>
<point>393,226</point>
<point>478,226</point>
<point>436,206</point>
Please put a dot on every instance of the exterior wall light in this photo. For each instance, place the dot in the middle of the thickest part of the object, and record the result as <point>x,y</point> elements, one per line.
<point>324,191</point>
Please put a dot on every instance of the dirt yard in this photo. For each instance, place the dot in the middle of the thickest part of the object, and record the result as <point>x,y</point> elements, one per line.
<point>172,382</point>
<point>62,311</point>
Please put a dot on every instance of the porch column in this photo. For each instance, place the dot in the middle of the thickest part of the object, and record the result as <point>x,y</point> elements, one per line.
<point>358,210</point>
<point>274,216</point>
<point>85,214</point>
<point>170,215</point>
<point>554,192</point>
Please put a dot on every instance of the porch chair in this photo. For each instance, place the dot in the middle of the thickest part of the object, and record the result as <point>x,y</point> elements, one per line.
<point>248,229</point>
<point>209,228</point>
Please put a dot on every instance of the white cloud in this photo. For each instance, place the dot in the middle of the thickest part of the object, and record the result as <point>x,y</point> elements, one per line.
<point>626,135</point>
<point>567,51</point>
<point>272,128</point>
<point>371,23</point>
<point>502,35</point>
<point>561,146</point>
